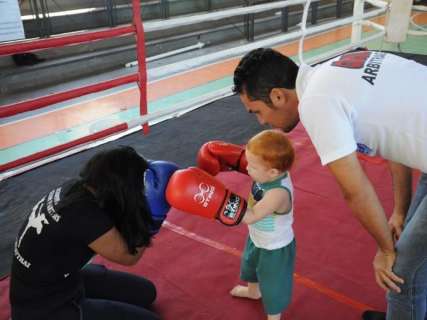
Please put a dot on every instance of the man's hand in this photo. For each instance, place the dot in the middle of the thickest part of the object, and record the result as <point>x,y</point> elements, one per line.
<point>402,189</point>
<point>383,264</point>
<point>395,223</point>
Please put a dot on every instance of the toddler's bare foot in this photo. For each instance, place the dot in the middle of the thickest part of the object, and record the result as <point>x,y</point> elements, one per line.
<point>244,292</point>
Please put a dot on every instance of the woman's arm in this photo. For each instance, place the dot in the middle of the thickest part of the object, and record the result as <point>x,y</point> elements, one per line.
<point>113,247</point>
<point>274,200</point>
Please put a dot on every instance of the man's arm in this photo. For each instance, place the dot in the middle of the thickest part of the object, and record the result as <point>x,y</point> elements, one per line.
<point>402,188</point>
<point>363,200</point>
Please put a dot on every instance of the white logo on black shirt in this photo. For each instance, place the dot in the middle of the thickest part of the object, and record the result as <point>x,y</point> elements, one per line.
<point>20,258</point>
<point>52,200</point>
<point>36,220</point>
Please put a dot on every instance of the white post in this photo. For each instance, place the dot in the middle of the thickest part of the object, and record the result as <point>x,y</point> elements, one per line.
<point>397,20</point>
<point>356,31</point>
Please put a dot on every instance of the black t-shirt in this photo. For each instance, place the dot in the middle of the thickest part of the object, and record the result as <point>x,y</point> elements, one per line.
<point>50,249</point>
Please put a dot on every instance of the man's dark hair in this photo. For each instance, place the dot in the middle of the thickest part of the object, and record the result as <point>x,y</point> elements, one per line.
<point>261,70</point>
<point>117,176</point>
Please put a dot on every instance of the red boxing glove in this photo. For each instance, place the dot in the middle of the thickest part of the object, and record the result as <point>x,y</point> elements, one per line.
<point>194,191</point>
<point>216,156</point>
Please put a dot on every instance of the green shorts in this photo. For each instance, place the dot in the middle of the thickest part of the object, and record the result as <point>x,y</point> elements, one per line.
<point>273,270</point>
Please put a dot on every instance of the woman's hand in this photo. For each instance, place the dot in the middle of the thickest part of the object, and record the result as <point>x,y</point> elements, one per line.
<point>383,264</point>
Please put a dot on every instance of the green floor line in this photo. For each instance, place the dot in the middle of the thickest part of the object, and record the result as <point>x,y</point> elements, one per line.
<point>413,44</point>
<point>66,135</point>
<point>187,95</point>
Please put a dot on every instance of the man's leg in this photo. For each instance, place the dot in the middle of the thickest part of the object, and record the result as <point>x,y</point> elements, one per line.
<point>411,265</point>
<point>420,194</point>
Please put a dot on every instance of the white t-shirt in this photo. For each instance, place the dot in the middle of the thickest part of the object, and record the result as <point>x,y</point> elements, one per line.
<point>372,102</point>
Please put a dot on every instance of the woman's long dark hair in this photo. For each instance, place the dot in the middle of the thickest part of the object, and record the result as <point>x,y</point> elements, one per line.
<point>117,178</point>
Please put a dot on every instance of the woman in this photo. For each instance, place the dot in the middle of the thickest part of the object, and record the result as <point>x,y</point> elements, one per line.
<point>113,210</point>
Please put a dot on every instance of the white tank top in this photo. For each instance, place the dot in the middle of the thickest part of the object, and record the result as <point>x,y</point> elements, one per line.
<point>275,230</point>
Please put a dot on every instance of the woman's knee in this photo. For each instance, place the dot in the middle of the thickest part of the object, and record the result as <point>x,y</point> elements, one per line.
<point>151,291</point>
<point>103,283</point>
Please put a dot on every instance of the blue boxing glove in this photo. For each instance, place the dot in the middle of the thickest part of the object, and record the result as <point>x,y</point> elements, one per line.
<point>156,179</point>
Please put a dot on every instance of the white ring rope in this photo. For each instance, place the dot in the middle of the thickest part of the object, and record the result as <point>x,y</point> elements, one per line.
<point>303,31</point>
<point>210,58</point>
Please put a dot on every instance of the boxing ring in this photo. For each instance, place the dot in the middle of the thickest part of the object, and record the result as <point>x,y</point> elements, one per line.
<point>33,104</point>
<point>326,279</point>
<point>18,165</point>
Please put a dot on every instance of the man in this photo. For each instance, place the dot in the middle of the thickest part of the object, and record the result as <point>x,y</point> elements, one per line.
<point>369,102</point>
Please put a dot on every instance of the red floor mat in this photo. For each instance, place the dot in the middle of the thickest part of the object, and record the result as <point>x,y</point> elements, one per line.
<point>4,299</point>
<point>195,262</point>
